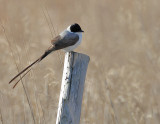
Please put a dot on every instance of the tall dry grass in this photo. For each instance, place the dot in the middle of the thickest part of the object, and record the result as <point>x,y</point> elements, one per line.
<point>122,39</point>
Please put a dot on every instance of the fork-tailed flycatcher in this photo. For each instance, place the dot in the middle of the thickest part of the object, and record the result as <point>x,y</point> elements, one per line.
<point>67,40</point>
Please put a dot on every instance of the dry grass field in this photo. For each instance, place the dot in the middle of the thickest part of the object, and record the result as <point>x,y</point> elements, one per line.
<point>122,39</point>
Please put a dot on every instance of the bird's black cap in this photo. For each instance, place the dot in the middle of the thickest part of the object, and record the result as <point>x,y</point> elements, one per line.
<point>75,28</point>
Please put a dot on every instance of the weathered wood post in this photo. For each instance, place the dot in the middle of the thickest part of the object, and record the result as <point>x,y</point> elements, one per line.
<point>74,73</point>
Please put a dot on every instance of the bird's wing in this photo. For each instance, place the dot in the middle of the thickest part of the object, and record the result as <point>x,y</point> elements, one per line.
<point>65,40</point>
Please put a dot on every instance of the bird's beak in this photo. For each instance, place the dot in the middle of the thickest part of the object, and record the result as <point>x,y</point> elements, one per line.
<point>82,31</point>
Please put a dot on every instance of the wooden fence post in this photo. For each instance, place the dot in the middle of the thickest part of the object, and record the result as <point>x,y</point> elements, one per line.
<point>74,73</point>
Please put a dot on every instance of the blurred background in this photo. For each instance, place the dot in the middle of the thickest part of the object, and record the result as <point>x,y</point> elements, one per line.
<point>122,39</point>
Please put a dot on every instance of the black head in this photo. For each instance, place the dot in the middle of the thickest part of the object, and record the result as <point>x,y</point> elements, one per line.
<point>75,28</point>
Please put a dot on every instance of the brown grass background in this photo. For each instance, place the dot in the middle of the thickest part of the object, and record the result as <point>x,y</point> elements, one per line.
<point>122,39</point>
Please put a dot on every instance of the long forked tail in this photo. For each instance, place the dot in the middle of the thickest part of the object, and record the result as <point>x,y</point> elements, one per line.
<point>29,66</point>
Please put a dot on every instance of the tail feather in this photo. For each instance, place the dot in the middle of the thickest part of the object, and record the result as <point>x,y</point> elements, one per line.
<point>21,78</point>
<point>36,61</point>
<point>46,54</point>
<point>23,70</point>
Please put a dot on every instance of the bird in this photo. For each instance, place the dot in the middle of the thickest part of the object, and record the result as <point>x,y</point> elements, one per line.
<point>67,40</point>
